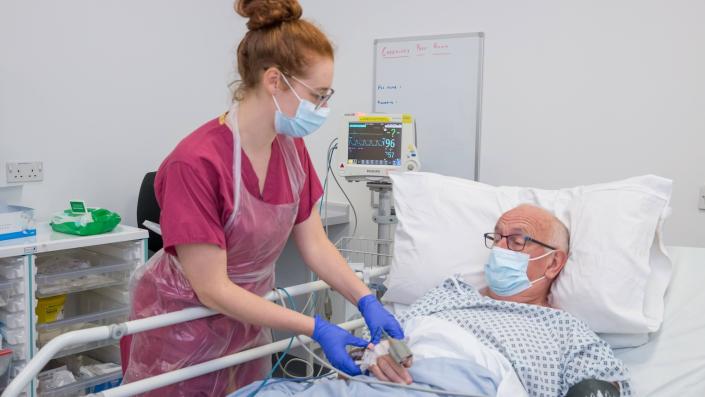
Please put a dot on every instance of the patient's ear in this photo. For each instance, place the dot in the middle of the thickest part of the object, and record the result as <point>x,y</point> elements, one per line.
<point>556,265</point>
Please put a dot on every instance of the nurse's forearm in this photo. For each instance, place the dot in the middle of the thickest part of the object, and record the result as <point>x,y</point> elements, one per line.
<point>244,306</point>
<point>204,266</point>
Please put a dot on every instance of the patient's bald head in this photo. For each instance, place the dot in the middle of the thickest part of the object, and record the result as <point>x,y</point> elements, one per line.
<point>537,223</point>
<point>548,241</point>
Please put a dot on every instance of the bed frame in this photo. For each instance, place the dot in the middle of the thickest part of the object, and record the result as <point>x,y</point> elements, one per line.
<point>369,252</point>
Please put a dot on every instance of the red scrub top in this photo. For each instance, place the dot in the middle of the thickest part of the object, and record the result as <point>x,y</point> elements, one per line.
<point>194,185</point>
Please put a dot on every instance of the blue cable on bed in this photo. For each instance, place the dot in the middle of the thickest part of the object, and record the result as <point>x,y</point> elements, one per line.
<point>281,358</point>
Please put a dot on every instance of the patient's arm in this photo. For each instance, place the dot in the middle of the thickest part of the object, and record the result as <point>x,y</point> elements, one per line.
<point>390,371</point>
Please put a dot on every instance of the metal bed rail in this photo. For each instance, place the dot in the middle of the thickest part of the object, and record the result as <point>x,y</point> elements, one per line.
<point>117,331</point>
<point>193,371</point>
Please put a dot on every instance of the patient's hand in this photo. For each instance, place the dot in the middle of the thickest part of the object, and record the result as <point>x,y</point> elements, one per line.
<point>389,370</point>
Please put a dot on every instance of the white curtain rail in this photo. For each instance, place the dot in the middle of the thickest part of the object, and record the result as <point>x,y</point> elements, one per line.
<point>117,331</point>
<point>168,378</point>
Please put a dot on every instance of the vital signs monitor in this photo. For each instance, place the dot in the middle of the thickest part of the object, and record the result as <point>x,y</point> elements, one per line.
<point>372,145</point>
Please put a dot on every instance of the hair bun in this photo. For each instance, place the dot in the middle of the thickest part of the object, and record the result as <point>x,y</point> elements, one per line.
<point>266,13</point>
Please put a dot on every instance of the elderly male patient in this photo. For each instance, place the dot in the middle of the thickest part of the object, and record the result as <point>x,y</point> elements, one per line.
<point>551,352</point>
<point>503,341</point>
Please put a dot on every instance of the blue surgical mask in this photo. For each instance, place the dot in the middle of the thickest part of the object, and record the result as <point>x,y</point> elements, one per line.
<point>505,271</point>
<point>306,120</point>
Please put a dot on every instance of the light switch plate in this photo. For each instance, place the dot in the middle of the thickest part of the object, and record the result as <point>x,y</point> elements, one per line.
<point>25,171</point>
<point>701,199</point>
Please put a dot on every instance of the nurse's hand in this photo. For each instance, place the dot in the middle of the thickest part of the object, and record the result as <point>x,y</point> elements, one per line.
<point>378,318</point>
<point>333,340</point>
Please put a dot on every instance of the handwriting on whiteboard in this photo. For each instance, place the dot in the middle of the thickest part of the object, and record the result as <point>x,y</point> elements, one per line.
<point>391,89</point>
<point>415,49</point>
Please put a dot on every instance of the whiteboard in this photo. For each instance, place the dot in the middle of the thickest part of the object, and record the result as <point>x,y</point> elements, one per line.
<point>438,80</point>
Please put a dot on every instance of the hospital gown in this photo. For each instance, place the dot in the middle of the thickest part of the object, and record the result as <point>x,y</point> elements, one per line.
<point>549,349</point>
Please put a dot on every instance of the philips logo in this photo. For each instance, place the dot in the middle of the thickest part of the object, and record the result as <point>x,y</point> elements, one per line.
<point>374,171</point>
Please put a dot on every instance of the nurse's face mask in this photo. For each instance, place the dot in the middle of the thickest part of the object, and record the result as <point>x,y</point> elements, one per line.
<point>505,270</point>
<point>308,117</point>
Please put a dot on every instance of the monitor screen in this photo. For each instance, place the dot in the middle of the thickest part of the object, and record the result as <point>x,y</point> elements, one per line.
<point>374,143</point>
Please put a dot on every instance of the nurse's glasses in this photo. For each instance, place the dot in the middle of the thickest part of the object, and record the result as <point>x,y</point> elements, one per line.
<point>322,96</point>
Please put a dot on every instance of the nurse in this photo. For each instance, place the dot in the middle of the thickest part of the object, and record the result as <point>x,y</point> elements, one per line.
<point>231,193</point>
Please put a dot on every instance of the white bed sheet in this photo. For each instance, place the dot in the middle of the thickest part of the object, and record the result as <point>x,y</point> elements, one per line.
<point>672,363</point>
<point>431,337</point>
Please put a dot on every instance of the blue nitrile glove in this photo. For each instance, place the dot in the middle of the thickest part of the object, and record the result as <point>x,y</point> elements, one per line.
<point>378,318</point>
<point>333,340</point>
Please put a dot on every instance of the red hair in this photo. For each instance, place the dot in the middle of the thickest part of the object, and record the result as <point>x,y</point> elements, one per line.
<point>277,37</point>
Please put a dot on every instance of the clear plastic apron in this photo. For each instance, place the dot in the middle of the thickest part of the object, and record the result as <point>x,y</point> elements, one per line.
<point>256,233</point>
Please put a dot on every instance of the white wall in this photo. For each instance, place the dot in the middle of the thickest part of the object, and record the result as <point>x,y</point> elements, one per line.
<point>574,92</point>
<point>101,91</point>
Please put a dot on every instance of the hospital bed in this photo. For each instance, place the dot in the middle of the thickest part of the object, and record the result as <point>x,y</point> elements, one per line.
<point>671,363</point>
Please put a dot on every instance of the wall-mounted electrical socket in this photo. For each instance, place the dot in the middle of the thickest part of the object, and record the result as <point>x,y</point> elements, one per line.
<point>701,199</point>
<point>25,171</point>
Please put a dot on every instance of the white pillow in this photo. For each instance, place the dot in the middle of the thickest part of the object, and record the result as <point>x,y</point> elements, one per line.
<point>617,272</point>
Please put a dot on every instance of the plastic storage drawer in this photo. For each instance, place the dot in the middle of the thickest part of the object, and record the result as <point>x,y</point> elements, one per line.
<point>83,310</point>
<point>82,386</point>
<point>11,268</point>
<point>14,336</point>
<point>79,270</point>
<point>15,304</point>
<point>19,351</point>
<point>88,374</point>
<point>7,289</point>
<point>12,320</point>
